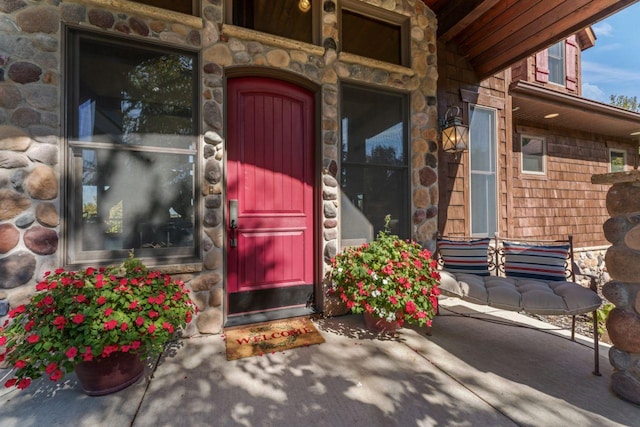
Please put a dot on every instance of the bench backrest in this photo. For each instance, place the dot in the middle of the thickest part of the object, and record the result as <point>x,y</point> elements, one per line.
<point>541,259</point>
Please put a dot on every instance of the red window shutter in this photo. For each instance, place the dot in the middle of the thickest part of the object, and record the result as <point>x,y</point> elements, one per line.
<point>542,66</point>
<point>571,58</point>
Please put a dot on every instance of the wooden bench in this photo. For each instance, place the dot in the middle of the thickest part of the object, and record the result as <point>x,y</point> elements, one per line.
<point>536,277</point>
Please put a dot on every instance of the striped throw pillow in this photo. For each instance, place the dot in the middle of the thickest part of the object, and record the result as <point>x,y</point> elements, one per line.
<point>535,262</point>
<point>465,256</point>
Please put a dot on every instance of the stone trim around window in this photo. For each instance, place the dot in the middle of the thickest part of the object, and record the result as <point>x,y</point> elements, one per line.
<point>269,39</point>
<point>145,10</point>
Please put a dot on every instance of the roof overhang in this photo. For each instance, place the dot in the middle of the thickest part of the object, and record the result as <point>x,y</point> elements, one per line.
<point>531,103</point>
<point>494,34</point>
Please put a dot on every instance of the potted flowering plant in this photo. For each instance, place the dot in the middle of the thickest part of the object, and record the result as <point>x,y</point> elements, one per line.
<point>390,279</point>
<point>91,319</point>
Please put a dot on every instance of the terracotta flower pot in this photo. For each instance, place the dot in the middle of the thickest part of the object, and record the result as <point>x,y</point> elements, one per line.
<point>108,375</point>
<point>377,324</point>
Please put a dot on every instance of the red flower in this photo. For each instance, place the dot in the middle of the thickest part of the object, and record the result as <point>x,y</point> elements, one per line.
<point>135,345</point>
<point>3,340</point>
<point>33,338</point>
<point>152,300</point>
<point>59,270</point>
<point>19,309</point>
<point>24,383</point>
<point>139,321</point>
<point>89,271</point>
<point>59,322</point>
<point>101,300</point>
<point>410,307</point>
<point>417,263</point>
<point>124,326</point>
<point>42,286</point>
<point>134,304</point>
<point>108,312</point>
<point>153,314</point>
<point>11,382</point>
<point>71,353</point>
<point>108,349</point>
<point>189,316</point>
<point>125,348</point>
<point>50,368</point>
<point>393,300</point>
<point>81,298</point>
<point>78,318</point>
<point>29,325</point>
<point>168,327</point>
<point>87,356</point>
<point>151,328</point>
<point>20,364</point>
<point>110,325</point>
<point>56,375</point>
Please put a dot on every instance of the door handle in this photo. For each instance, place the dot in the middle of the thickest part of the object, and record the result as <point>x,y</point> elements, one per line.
<point>233,222</point>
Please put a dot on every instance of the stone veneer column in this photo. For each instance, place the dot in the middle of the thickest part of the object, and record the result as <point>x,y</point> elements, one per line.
<point>623,263</point>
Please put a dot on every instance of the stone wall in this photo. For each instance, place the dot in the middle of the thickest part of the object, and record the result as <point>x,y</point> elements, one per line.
<point>31,140</point>
<point>623,264</point>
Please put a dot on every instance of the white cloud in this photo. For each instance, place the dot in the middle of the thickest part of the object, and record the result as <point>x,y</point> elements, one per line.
<point>593,92</point>
<point>603,29</point>
<point>597,73</point>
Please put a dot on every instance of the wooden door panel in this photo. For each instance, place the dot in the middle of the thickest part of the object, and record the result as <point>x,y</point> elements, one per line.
<point>271,174</point>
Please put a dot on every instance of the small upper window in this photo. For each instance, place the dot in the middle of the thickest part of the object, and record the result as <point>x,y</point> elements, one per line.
<point>189,7</point>
<point>292,19</point>
<point>617,160</point>
<point>556,63</point>
<point>533,151</point>
<point>374,33</point>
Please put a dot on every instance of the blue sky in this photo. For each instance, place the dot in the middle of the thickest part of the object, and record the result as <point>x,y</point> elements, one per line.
<point>612,66</point>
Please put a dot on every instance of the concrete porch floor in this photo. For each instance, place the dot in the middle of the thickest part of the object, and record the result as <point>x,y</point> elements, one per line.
<point>470,372</point>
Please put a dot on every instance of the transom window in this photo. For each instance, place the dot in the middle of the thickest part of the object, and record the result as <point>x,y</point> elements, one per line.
<point>374,164</point>
<point>617,160</point>
<point>556,63</point>
<point>189,7</point>
<point>131,143</point>
<point>374,33</point>
<point>533,154</point>
<point>293,19</point>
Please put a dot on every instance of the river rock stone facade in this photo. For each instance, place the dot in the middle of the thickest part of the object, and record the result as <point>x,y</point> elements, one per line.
<point>623,290</point>
<point>32,140</point>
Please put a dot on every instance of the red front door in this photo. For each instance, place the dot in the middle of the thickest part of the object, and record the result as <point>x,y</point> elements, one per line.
<point>270,163</point>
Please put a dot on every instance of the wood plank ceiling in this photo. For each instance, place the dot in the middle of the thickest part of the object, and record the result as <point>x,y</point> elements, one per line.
<point>494,34</point>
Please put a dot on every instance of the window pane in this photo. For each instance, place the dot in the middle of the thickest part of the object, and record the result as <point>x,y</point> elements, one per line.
<point>370,37</point>
<point>134,96</point>
<point>182,6</point>
<point>618,161</point>
<point>133,144</point>
<point>374,168</point>
<point>292,19</point>
<point>532,154</point>
<point>372,127</point>
<point>482,136</point>
<point>483,202</point>
<point>556,63</point>
<point>133,200</point>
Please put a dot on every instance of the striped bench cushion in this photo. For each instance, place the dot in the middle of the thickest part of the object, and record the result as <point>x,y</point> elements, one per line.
<point>465,256</point>
<point>535,262</point>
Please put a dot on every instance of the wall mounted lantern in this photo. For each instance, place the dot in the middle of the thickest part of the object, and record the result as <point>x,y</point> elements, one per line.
<point>455,135</point>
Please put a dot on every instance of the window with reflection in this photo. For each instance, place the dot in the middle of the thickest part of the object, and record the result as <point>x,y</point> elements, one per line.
<point>293,19</point>
<point>374,164</point>
<point>556,63</point>
<point>533,151</point>
<point>131,136</point>
<point>189,7</point>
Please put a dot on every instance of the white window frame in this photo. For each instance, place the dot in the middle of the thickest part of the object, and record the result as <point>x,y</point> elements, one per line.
<point>495,172</point>
<point>562,59</point>
<point>624,159</point>
<point>544,155</point>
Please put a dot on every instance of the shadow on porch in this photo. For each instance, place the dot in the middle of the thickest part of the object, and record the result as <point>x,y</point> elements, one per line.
<point>468,372</point>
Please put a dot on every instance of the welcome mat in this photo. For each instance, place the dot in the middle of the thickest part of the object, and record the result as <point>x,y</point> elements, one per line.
<point>269,337</point>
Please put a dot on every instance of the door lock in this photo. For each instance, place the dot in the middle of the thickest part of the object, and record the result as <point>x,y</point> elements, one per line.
<point>233,222</point>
